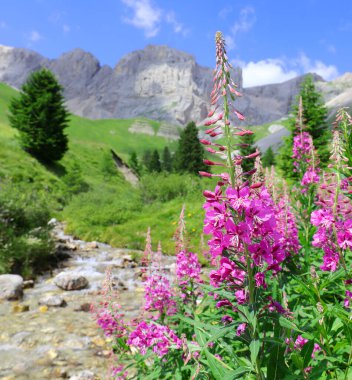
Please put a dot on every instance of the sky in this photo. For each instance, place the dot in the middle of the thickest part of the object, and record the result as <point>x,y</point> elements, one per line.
<point>272,40</point>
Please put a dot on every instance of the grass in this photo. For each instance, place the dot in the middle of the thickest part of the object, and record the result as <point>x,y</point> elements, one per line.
<point>112,210</point>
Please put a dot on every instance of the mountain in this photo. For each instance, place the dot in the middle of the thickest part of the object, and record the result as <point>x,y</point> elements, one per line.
<point>157,82</point>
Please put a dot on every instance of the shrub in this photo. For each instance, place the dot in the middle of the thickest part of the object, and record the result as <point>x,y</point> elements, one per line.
<point>26,245</point>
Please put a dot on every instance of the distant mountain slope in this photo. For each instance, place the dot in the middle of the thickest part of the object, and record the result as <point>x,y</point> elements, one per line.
<point>158,83</point>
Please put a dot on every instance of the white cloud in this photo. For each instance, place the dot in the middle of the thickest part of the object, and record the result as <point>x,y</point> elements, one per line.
<point>145,16</point>
<point>265,72</point>
<point>170,18</point>
<point>281,69</point>
<point>244,24</point>
<point>35,36</point>
<point>308,65</point>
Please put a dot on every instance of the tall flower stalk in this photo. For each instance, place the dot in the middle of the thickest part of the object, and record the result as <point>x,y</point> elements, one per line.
<point>240,217</point>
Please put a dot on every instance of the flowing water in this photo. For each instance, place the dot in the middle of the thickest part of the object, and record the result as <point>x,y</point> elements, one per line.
<point>59,342</point>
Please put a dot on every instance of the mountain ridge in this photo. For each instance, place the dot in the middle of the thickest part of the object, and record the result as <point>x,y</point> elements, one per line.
<point>157,82</point>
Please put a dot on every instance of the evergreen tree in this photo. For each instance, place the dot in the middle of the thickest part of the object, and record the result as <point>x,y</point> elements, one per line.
<point>315,122</point>
<point>268,158</point>
<point>167,160</point>
<point>190,152</point>
<point>134,164</point>
<point>41,117</point>
<point>155,165</point>
<point>146,160</point>
<point>247,164</point>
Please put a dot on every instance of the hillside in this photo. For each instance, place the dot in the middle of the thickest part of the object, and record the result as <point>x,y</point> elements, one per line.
<point>111,210</point>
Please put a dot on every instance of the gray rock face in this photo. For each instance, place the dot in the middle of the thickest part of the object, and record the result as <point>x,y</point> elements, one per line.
<point>263,104</point>
<point>70,281</point>
<point>11,286</point>
<point>157,82</point>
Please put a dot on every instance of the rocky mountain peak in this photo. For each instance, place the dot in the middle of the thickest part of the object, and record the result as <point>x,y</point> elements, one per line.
<point>157,82</point>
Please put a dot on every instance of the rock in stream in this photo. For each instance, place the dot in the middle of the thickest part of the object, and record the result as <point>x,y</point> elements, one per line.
<point>41,340</point>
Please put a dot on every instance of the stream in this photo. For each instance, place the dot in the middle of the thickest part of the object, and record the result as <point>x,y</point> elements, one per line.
<point>45,342</point>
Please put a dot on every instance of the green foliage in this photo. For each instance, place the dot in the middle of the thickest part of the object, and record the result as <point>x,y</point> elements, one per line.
<point>247,164</point>
<point>268,158</point>
<point>74,181</point>
<point>165,187</point>
<point>314,121</point>
<point>108,166</point>
<point>190,152</point>
<point>40,116</point>
<point>155,164</point>
<point>111,210</point>
<point>133,163</point>
<point>166,163</point>
<point>25,242</point>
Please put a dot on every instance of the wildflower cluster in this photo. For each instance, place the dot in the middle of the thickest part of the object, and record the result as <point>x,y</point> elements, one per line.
<point>304,156</point>
<point>265,311</point>
<point>158,338</point>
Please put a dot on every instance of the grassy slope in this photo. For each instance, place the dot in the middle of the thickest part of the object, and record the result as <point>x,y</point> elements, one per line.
<point>112,210</point>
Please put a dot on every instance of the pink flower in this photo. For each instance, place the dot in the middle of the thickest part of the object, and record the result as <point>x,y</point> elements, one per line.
<point>241,329</point>
<point>158,338</point>
<point>158,295</point>
<point>299,343</point>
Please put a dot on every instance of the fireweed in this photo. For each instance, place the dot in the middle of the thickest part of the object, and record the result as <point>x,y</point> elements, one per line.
<point>257,316</point>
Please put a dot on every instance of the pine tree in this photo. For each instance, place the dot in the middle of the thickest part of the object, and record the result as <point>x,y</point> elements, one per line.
<point>268,158</point>
<point>190,152</point>
<point>315,122</point>
<point>40,116</point>
<point>166,164</point>
<point>146,159</point>
<point>155,165</point>
<point>134,164</point>
<point>248,140</point>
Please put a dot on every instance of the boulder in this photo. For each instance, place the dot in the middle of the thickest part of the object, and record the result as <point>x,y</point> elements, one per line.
<point>52,300</point>
<point>28,284</point>
<point>71,281</point>
<point>11,286</point>
<point>83,375</point>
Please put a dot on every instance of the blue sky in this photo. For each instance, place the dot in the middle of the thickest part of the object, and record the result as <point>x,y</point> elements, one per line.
<point>272,40</point>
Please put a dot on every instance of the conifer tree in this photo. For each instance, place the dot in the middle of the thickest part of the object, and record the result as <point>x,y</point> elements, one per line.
<point>166,160</point>
<point>146,159</point>
<point>190,152</point>
<point>155,165</point>
<point>248,148</point>
<point>315,122</point>
<point>133,163</point>
<point>40,116</point>
<point>268,158</point>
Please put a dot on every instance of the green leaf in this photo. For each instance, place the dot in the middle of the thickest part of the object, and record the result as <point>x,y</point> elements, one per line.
<point>254,349</point>
<point>276,368</point>
<point>288,324</point>
<point>218,368</point>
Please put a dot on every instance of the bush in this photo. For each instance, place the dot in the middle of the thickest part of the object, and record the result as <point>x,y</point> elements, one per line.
<point>26,245</point>
<point>165,187</point>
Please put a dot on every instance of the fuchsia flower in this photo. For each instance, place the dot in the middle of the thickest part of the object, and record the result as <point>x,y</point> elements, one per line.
<point>241,329</point>
<point>158,338</point>
<point>348,300</point>
<point>299,343</point>
<point>158,295</point>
